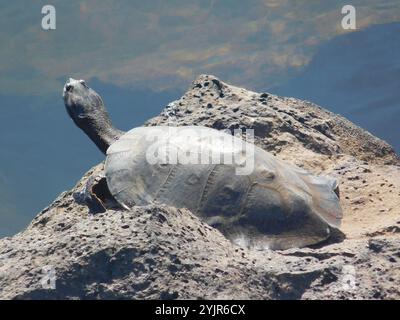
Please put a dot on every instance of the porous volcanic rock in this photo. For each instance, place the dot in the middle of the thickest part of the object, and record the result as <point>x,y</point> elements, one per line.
<point>159,252</point>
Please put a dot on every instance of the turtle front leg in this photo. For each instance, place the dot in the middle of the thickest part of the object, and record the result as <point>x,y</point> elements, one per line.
<point>97,196</point>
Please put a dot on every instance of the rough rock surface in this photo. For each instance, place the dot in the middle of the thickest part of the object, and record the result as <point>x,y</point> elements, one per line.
<point>164,253</point>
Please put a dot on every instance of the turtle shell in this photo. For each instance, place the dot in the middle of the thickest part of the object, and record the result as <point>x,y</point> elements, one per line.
<point>252,197</point>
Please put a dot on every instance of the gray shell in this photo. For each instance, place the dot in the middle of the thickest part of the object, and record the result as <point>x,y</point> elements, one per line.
<point>277,205</point>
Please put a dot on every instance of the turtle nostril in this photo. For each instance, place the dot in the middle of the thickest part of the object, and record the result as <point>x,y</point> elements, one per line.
<point>69,88</point>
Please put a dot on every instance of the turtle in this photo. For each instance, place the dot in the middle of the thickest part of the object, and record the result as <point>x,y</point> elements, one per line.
<point>274,205</point>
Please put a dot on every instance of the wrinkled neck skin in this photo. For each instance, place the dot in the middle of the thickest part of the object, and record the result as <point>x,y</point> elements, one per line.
<point>99,129</point>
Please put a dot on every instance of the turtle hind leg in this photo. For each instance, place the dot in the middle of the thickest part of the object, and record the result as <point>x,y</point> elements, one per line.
<point>97,196</point>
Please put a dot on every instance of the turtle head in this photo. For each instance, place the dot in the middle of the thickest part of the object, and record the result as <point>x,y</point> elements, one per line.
<point>87,110</point>
<point>82,102</point>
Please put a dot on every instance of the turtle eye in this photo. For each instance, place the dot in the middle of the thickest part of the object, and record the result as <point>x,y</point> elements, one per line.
<point>82,82</point>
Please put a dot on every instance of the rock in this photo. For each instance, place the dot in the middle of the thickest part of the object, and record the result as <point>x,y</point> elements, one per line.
<point>159,252</point>
<point>376,245</point>
<point>311,128</point>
